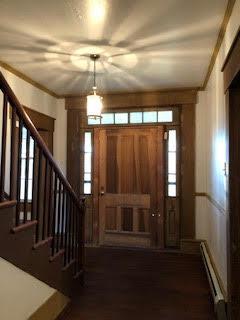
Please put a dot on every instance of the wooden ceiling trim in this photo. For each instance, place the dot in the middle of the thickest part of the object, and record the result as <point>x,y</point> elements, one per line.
<point>24,77</point>
<point>220,38</point>
<point>137,100</point>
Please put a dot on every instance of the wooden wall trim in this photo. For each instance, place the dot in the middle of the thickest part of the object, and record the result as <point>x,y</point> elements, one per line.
<point>187,172</point>
<point>140,99</point>
<point>215,203</point>
<point>24,77</point>
<point>219,42</point>
<point>40,120</point>
<point>231,65</point>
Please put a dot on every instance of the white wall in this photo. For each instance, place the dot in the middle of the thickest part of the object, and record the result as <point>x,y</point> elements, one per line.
<point>211,155</point>
<point>22,296</point>
<point>38,100</point>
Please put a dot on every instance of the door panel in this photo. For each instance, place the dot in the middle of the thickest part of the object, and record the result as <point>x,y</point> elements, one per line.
<point>131,186</point>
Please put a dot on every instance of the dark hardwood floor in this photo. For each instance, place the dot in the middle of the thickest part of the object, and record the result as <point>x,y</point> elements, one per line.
<point>144,285</point>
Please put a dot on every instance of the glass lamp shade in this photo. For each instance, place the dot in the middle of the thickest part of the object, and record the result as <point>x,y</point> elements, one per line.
<point>94,106</point>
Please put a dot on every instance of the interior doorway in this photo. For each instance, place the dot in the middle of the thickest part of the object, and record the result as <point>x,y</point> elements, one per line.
<point>234,197</point>
<point>131,186</point>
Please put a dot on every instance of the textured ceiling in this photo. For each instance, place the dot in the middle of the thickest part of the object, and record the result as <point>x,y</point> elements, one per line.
<point>144,44</point>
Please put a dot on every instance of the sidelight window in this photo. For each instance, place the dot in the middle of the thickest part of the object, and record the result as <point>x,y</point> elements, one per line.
<point>87,188</point>
<point>172,163</point>
<point>24,170</point>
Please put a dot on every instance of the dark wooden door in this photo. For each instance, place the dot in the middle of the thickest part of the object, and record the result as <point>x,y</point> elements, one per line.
<point>234,203</point>
<point>131,183</point>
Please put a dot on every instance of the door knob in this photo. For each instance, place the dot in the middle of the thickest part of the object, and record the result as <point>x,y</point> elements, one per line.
<point>102,191</point>
<point>153,215</point>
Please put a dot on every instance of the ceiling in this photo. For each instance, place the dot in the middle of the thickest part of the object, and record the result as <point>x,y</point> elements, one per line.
<point>144,44</point>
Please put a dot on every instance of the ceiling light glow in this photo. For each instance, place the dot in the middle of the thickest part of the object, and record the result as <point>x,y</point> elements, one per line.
<point>97,10</point>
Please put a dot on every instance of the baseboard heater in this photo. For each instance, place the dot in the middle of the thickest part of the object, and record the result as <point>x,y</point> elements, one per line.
<point>219,302</point>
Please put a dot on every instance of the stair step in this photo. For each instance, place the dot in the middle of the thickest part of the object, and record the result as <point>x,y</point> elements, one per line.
<point>7,204</point>
<point>78,274</point>
<point>68,265</point>
<point>42,243</point>
<point>24,226</point>
<point>56,255</point>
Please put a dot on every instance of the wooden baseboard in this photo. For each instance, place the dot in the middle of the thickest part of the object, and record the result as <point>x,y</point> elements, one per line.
<point>53,308</point>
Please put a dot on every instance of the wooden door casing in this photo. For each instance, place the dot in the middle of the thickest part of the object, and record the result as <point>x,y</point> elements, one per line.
<point>128,168</point>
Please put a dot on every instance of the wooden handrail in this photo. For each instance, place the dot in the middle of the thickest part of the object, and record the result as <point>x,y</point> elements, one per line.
<point>27,121</point>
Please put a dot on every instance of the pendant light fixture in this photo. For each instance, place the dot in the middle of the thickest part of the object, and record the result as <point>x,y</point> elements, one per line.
<point>94,101</point>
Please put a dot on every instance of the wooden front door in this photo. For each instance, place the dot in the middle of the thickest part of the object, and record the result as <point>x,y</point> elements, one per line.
<point>130,186</point>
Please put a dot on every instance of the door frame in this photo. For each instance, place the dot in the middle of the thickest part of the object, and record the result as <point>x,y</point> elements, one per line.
<point>231,75</point>
<point>96,186</point>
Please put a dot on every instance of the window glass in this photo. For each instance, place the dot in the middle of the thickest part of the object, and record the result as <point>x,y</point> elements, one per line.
<point>93,121</point>
<point>87,176</point>
<point>121,118</point>
<point>135,117</point>
<point>87,188</point>
<point>172,190</point>
<point>150,116</point>
<point>172,178</point>
<point>88,142</point>
<point>107,118</point>
<point>165,116</point>
<point>87,162</point>
<point>172,140</point>
<point>172,162</point>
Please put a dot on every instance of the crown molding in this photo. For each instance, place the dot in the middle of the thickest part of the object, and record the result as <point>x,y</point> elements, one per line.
<point>218,44</point>
<point>24,77</point>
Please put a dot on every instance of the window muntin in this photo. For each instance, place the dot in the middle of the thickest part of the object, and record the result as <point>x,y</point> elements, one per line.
<point>87,188</point>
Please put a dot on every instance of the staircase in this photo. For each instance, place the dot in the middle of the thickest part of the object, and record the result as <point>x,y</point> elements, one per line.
<point>41,218</point>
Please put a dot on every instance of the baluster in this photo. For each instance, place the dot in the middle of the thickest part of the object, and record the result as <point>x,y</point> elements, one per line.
<point>81,234</point>
<point>4,142</point>
<point>54,214</point>
<point>69,230</point>
<point>77,238</point>
<point>63,244</point>
<point>50,208</point>
<point>13,167</point>
<point>66,231</point>
<point>25,210</point>
<point>45,204</point>
<point>34,182</point>
<point>59,217</point>
<point>19,172</point>
<point>39,189</point>
<point>73,231</point>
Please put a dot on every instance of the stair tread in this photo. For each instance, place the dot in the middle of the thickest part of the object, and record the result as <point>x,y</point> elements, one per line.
<point>7,204</point>
<point>42,242</point>
<point>56,255</point>
<point>68,264</point>
<point>24,226</point>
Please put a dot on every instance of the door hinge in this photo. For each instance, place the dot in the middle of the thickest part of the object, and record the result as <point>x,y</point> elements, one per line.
<point>165,135</point>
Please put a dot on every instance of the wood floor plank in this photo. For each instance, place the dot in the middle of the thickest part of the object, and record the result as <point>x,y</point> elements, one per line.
<point>143,285</point>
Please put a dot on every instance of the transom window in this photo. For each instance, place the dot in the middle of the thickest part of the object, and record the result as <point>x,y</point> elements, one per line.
<point>139,117</point>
